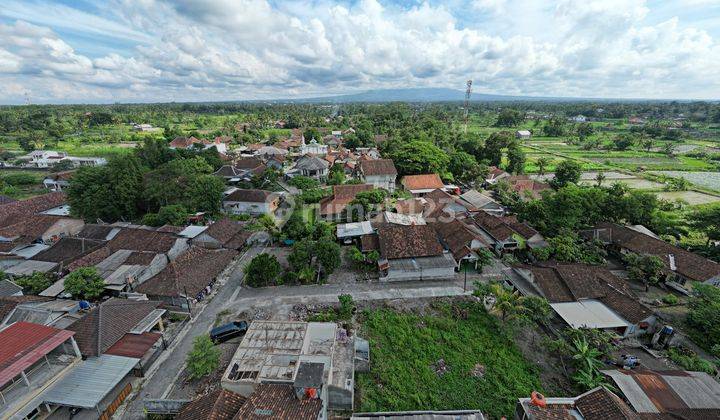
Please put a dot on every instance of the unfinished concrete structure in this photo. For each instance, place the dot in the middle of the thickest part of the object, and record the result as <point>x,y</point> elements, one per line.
<point>316,355</point>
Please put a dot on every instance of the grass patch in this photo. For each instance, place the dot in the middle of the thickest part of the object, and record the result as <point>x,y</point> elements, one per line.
<point>406,348</point>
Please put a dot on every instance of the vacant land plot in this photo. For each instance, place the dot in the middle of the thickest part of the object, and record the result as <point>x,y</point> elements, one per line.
<point>703,179</point>
<point>459,357</point>
<point>693,198</point>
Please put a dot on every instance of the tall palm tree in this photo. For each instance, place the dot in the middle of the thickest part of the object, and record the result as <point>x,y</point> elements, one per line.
<point>542,163</point>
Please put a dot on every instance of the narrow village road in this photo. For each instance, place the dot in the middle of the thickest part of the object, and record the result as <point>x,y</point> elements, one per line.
<point>163,373</point>
<point>237,298</point>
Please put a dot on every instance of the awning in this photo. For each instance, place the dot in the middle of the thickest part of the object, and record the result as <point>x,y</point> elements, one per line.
<point>90,382</point>
<point>134,345</point>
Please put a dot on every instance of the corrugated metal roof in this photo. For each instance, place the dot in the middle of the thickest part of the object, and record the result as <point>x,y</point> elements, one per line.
<point>23,344</point>
<point>134,345</point>
<point>88,384</point>
<point>588,313</point>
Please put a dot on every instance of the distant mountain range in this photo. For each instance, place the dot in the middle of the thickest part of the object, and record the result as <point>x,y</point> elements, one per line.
<point>424,95</point>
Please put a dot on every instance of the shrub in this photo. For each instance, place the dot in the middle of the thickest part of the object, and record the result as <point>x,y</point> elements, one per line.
<point>204,358</point>
<point>262,270</point>
<point>690,361</point>
<point>20,178</point>
<point>34,283</point>
<point>85,283</point>
<point>670,299</point>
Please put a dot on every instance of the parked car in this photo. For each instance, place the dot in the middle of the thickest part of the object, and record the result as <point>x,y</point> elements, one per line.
<point>225,332</point>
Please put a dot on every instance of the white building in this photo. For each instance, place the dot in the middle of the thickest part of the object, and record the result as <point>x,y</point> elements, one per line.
<point>313,148</point>
<point>381,173</point>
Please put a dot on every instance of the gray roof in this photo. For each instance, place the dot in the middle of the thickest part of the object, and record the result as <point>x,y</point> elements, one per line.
<point>8,288</point>
<point>313,163</point>
<point>309,375</point>
<point>90,382</point>
<point>478,199</point>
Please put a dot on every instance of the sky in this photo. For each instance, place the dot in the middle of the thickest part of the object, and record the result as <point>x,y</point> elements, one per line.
<point>107,51</point>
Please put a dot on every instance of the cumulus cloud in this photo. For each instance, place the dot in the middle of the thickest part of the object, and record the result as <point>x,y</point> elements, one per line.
<point>250,49</point>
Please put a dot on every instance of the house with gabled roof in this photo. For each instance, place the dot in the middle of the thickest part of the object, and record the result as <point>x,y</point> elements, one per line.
<point>224,233</point>
<point>220,404</point>
<point>596,404</point>
<point>334,207</point>
<point>189,278</point>
<point>587,296</point>
<point>413,252</point>
<point>419,185</point>
<point>682,267</point>
<point>506,233</point>
<point>251,201</point>
<point>381,173</point>
<point>310,166</point>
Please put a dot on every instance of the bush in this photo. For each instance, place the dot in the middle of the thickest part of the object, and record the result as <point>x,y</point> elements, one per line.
<point>20,178</point>
<point>262,270</point>
<point>704,315</point>
<point>690,361</point>
<point>303,182</point>
<point>84,283</point>
<point>204,358</point>
<point>670,299</point>
<point>34,283</point>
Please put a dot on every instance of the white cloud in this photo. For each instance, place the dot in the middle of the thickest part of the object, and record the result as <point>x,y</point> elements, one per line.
<point>248,49</point>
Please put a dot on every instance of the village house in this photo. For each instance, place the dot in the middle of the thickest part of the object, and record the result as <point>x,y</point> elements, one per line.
<point>597,404</point>
<point>348,233</point>
<point>192,142</point>
<point>506,233</point>
<point>48,158</point>
<point>252,202</point>
<point>495,175</point>
<point>311,167</point>
<point>483,202</point>
<point>313,148</point>
<point>380,173</point>
<point>48,355</point>
<point>267,151</point>
<point>462,242</point>
<point>681,267</point>
<point>586,296</point>
<point>334,207</point>
<point>412,253</point>
<point>307,360</point>
<point>58,181</point>
<point>58,313</point>
<point>191,276</point>
<point>579,119</point>
<point>527,187</point>
<point>216,405</point>
<point>683,394</point>
<point>224,233</point>
<point>523,135</point>
<point>8,288</point>
<point>419,185</point>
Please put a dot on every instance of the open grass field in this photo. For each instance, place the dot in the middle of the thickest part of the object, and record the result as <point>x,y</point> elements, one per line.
<point>458,357</point>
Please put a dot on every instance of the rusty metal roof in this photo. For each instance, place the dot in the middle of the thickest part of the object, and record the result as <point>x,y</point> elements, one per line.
<point>134,345</point>
<point>23,344</point>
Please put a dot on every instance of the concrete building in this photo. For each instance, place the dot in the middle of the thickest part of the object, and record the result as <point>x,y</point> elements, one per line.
<point>307,355</point>
<point>523,134</point>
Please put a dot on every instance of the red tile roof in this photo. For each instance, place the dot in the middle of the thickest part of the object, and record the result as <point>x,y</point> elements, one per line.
<point>191,272</point>
<point>602,404</point>
<point>378,167</point>
<point>108,322</point>
<point>278,402</point>
<point>17,211</point>
<point>400,241</point>
<point>142,240</point>
<point>217,405</point>
<point>23,344</point>
<point>251,196</point>
<point>184,142</point>
<point>134,345</point>
<point>231,234</point>
<point>422,182</point>
<point>341,197</point>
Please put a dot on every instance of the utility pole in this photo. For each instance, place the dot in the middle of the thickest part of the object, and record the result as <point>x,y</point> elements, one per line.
<point>468,89</point>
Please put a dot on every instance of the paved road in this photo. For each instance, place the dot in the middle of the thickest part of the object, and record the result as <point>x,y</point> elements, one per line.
<point>162,375</point>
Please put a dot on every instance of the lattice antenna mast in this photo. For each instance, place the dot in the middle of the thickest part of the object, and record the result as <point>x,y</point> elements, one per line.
<point>467,103</point>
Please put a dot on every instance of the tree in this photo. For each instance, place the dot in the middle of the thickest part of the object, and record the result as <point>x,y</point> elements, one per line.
<point>262,270</point>
<point>34,283</point>
<point>566,172</point>
<point>465,168</point>
<point>301,255</point>
<point>85,283</point>
<point>647,269</point>
<point>494,144</point>
<point>303,183</point>
<point>174,214</point>
<point>707,221</point>
<point>420,157</point>
<point>704,315</point>
<point>109,193</point>
<point>516,158</point>
<point>328,256</point>
<point>542,163</point>
<point>337,174</point>
<point>155,152</point>
<point>554,127</point>
<point>623,142</point>
<point>584,130</point>
<point>509,118</point>
<point>184,181</point>
<point>599,178</point>
<point>204,358</point>
<point>366,201</point>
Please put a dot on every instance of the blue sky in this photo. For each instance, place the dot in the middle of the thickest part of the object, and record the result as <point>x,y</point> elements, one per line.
<point>193,50</point>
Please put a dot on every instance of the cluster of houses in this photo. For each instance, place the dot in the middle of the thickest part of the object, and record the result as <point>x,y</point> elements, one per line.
<point>68,357</point>
<point>43,159</point>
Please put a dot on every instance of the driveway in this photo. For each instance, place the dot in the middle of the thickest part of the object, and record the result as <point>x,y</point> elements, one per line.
<point>160,378</point>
